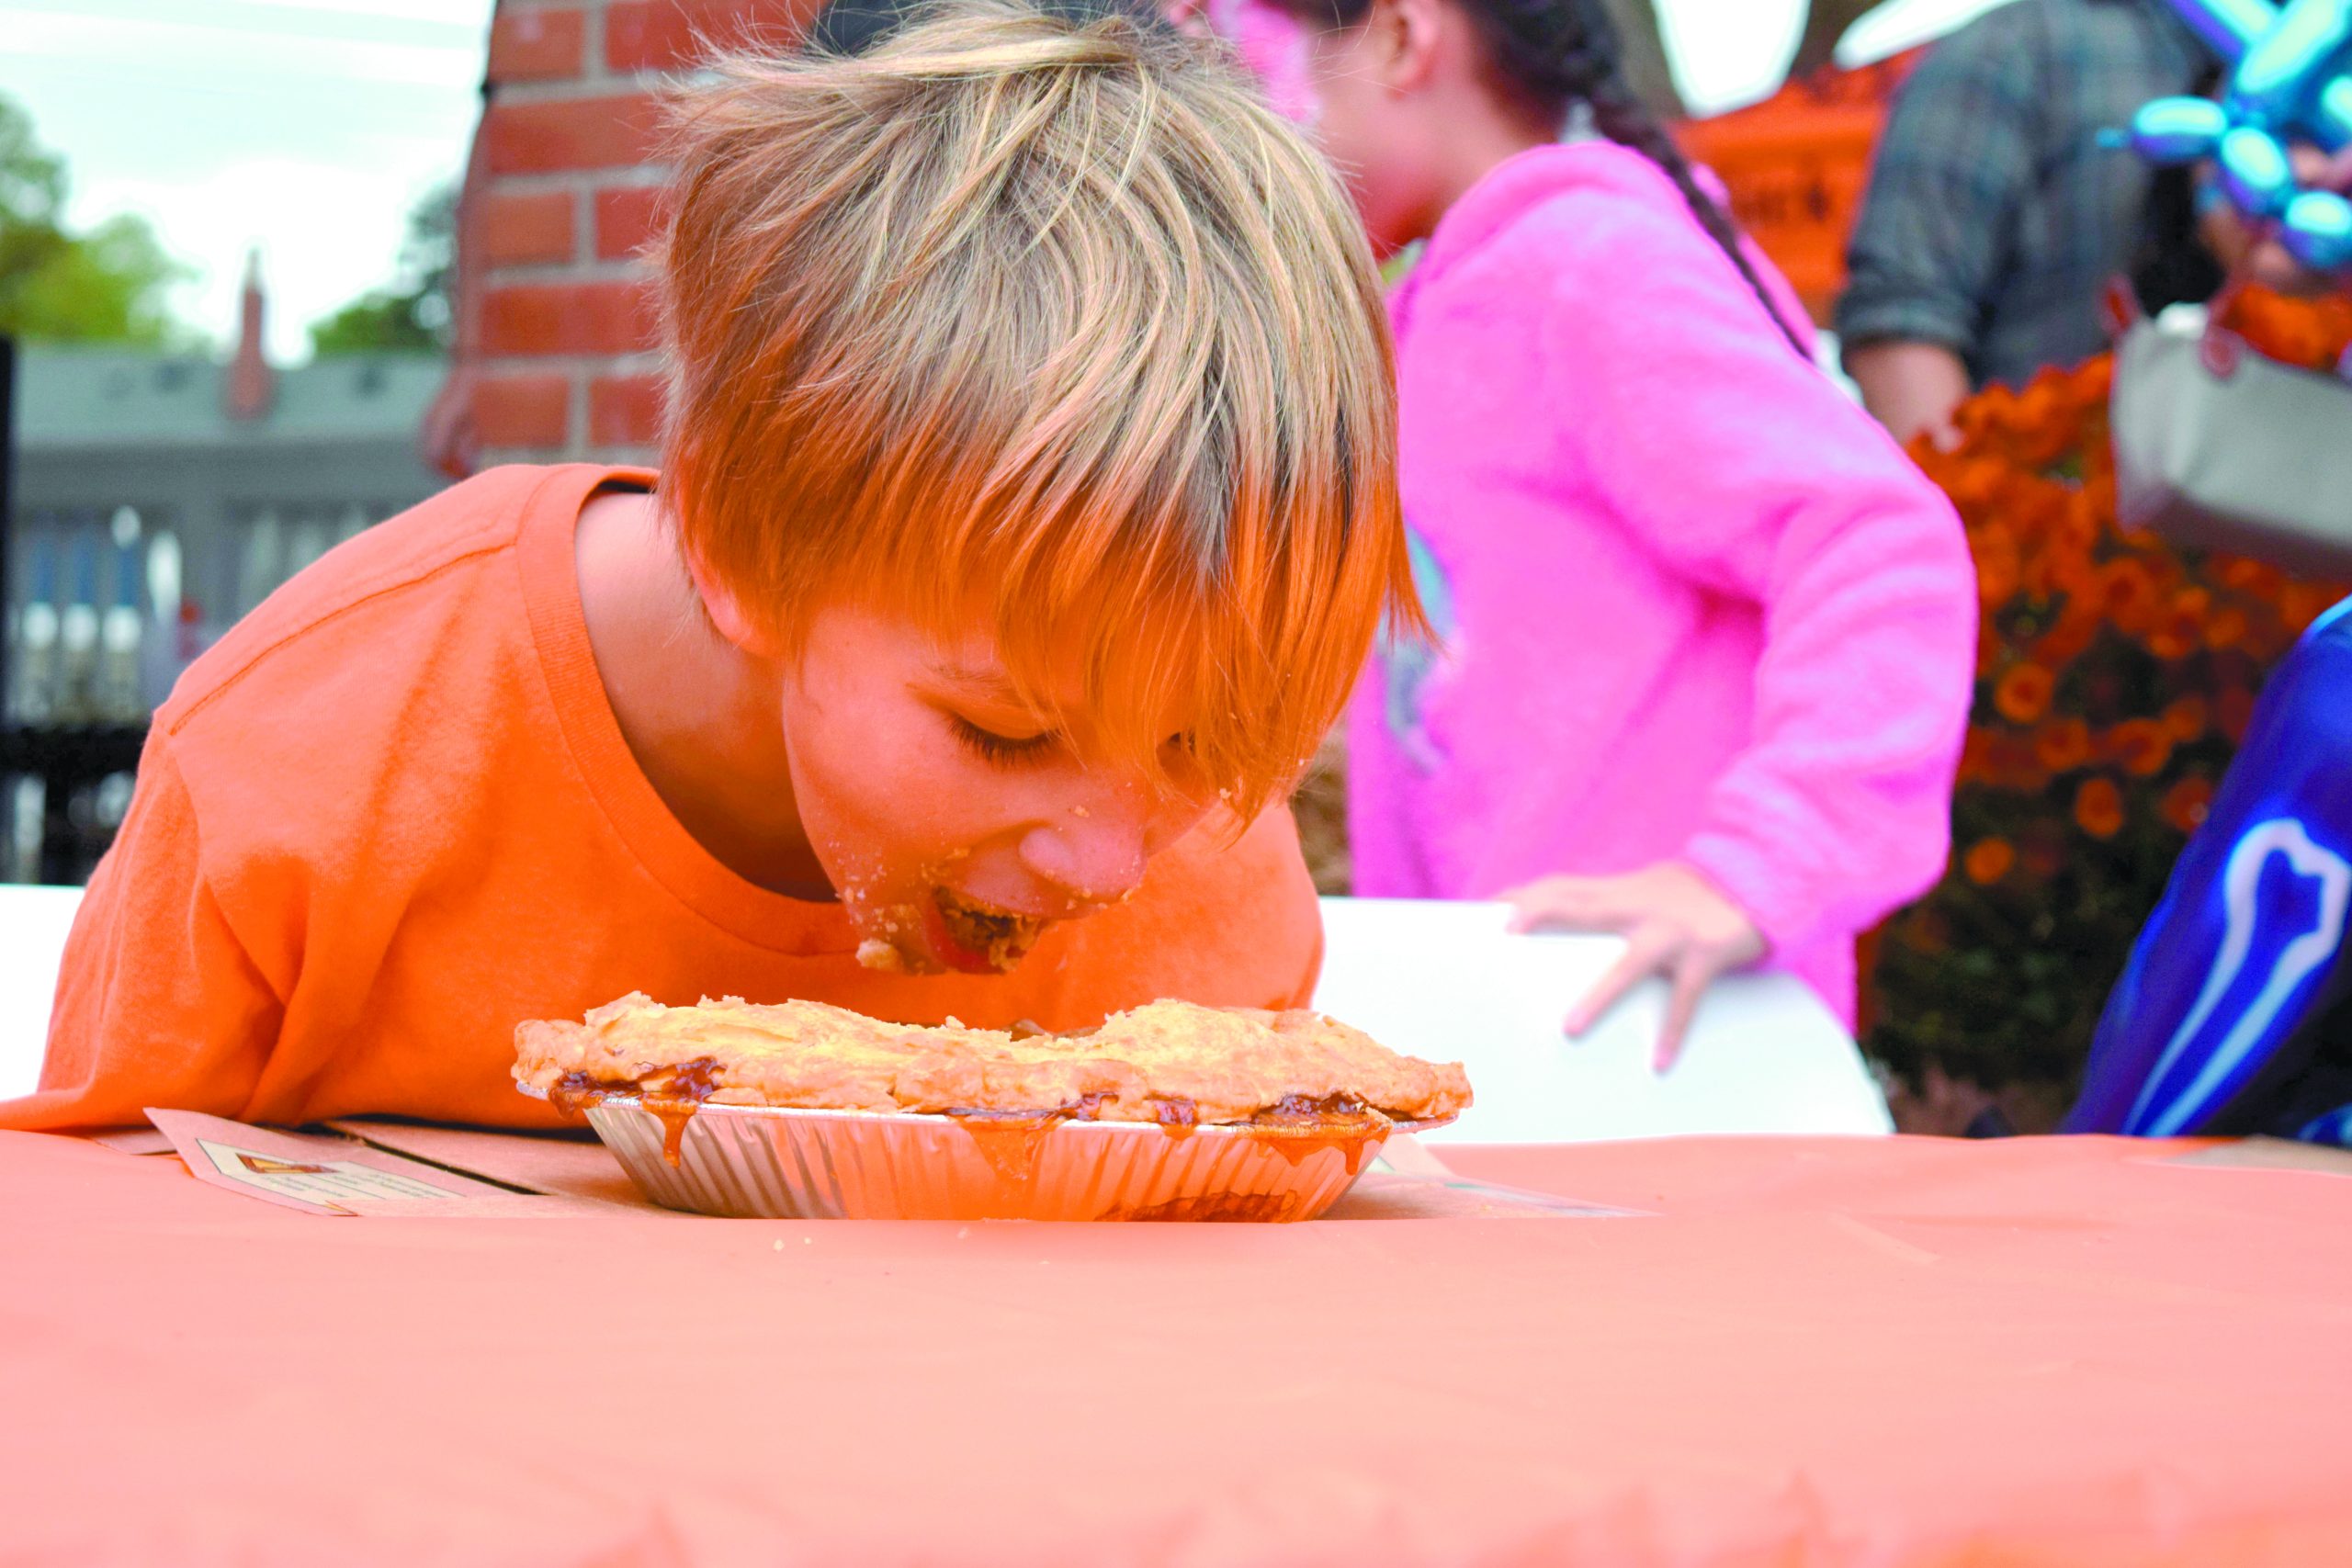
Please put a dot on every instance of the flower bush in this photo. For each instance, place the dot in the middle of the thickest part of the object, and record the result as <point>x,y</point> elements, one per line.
<point>2115,676</point>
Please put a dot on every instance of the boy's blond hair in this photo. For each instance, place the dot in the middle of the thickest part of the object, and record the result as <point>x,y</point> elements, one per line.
<point>1059,325</point>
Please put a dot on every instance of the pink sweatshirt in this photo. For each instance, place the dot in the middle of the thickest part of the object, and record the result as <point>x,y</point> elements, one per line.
<point>1695,604</point>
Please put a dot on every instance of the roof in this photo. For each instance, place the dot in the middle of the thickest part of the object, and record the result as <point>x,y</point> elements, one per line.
<point>117,397</point>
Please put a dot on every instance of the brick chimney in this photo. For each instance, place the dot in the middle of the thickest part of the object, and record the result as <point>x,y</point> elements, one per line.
<point>252,385</point>
<point>555,354</point>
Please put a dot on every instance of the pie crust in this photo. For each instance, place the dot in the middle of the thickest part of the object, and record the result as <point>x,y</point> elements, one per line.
<point>1175,1063</point>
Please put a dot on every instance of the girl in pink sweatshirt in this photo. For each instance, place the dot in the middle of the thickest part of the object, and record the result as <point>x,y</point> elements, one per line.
<point>1707,635</point>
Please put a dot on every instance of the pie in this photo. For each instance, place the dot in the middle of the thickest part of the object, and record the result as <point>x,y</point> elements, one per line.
<point>1175,1064</point>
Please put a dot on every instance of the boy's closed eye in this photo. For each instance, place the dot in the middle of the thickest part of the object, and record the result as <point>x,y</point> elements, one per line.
<point>993,746</point>
<point>995,742</point>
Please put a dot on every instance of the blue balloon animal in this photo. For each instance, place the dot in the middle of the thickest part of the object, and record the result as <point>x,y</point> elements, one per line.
<point>2289,81</point>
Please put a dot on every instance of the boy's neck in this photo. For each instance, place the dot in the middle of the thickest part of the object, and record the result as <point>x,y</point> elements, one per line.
<point>702,717</point>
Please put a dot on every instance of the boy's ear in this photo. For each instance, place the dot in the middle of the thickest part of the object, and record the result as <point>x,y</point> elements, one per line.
<point>727,611</point>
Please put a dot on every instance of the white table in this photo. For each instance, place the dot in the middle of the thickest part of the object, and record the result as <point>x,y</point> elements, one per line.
<point>1440,980</point>
<point>33,922</point>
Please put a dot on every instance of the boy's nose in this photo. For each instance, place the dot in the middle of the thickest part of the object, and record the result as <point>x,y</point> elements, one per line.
<point>1094,848</point>
<point>1092,859</point>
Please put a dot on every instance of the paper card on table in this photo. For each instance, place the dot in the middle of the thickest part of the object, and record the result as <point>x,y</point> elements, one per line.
<point>552,1163</point>
<point>321,1175</point>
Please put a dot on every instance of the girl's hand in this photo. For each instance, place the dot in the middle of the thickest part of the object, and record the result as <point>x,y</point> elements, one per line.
<point>1675,924</point>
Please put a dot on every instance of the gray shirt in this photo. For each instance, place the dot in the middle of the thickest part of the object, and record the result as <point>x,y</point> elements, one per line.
<point>1993,218</point>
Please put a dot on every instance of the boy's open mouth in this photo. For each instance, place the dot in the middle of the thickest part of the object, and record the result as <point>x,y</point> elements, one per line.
<point>973,938</point>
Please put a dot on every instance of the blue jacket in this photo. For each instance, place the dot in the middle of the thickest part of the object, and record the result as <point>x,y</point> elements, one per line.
<point>2234,1016</point>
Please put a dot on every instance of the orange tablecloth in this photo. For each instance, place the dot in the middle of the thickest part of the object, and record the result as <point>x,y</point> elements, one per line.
<point>1899,1352</point>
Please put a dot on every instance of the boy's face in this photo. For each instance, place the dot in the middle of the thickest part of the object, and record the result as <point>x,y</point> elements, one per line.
<point>955,821</point>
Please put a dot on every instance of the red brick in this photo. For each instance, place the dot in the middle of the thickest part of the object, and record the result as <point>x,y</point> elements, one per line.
<point>605,317</point>
<point>625,411</point>
<point>519,228</point>
<point>572,133</point>
<point>627,218</point>
<point>662,34</point>
<point>522,411</point>
<point>536,43</point>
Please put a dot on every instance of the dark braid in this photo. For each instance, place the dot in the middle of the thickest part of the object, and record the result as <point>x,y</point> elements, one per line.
<point>1626,120</point>
<point>1555,54</point>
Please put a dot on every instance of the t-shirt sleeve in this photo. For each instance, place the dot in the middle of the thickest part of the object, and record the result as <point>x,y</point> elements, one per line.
<point>1742,472</point>
<point>158,1002</point>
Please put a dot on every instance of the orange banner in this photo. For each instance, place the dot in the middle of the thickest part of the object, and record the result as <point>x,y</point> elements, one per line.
<point>1796,164</point>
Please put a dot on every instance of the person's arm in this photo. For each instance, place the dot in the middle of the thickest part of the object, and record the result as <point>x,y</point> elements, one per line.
<point>1934,236</point>
<point>158,1002</point>
<point>2207,1024</point>
<point>1748,476</point>
<point>1910,387</point>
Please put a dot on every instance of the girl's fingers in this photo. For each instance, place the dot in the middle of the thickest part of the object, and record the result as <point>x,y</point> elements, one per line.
<point>1645,956</point>
<point>1558,902</point>
<point>1691,978</point>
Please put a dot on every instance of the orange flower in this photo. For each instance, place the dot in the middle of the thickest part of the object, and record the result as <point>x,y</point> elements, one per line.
<point>1989,412</point>
<point>2090,512</point>
<point>2098,505</point>
<point>2184,720</point>
<point>2311,333</point>
<point>1997,564</point>
<point>2037,507</point>
<point>2099,807</point>
<point>2185,803</point>
<point>2066,641</point>
<point>2063,744</point>
<point>2227,628</point>
<point>2180,628</point>
<point>2042,425</point>
<point>2127,594</point>
<point>2140,745</point>
<point>2252,578</point>
<point>2023,694</point>
<point>2093,381</point>
<point>1988,861</point>
<point>1973,481</point>
<point>2173,639</point>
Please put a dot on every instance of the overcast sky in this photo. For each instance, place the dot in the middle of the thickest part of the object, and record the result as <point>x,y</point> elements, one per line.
<point>308,128</point>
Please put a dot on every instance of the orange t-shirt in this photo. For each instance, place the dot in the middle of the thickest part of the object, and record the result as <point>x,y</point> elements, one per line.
<point>391,815</point>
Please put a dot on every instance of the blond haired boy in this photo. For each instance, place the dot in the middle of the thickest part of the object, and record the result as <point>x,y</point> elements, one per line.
<point>1026,510</point>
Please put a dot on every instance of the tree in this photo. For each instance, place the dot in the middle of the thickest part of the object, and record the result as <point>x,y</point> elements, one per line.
<point>413,312</point>
<point>105,286</point>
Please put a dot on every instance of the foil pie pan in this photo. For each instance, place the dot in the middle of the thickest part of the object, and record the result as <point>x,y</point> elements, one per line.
<point>763,1161</point>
